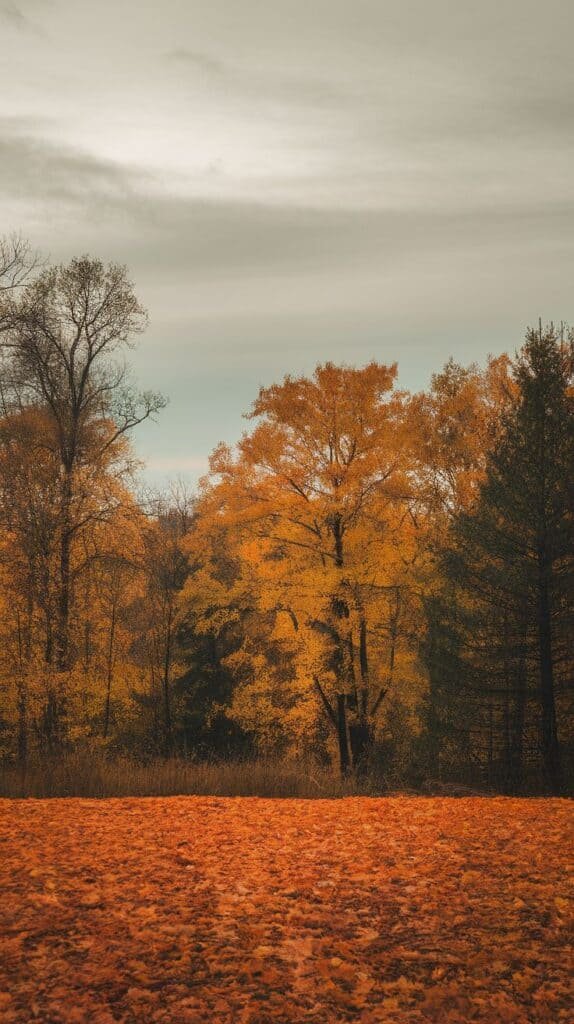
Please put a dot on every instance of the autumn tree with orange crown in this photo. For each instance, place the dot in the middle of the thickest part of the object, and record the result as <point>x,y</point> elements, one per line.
<point>317,510</point>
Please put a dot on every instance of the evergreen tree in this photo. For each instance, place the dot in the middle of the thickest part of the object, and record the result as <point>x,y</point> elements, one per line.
<point>512,563</point>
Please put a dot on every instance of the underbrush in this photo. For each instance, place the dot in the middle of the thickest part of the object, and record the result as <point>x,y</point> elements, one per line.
<point>100,774</point>
<point>84,775</point>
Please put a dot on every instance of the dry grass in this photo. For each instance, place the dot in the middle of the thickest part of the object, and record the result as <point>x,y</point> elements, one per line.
<point>84,775</point>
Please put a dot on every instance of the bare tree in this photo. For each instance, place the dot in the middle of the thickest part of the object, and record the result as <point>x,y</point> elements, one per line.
<point>63,352</point>
<point>18,265</point>
<point>18,262</point>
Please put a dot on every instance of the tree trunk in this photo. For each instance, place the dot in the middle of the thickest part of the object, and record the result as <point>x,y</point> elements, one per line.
<point>507,744</point>
<point>63,651</point>
<point>490,744</point>
<point>154,694</point>
<point>550,747</point>
<point>22,723</point>
<point>52,723</point>
<point>361,732</point>
<point>168,737</point>
<point>364,666</point>
<point>110,670</point>
<point>433,719</point>
<point>63,638</point>
<point>361,740</point>
<point>342,735</point>
<point>22,699</point>
<point>518,715</point>
<point>49,640</point>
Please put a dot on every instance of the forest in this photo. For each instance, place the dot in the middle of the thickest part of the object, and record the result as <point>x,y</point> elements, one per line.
<point>372,583</point>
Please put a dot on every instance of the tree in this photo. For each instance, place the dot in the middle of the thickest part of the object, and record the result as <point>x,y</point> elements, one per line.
<point>512,559</point>
<point>18,264</point>
<point>103,555</point>
<point>62,353</point>
<point>158,612</point>
<point>316,509</point>
<point>457,421</point>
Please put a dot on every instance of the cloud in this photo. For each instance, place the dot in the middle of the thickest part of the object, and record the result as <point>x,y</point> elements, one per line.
<point>393,180</point>
<point>500,117</point>
<point>197,60</point>
<point>84,202</point>
<point>15,17</point>
<point>261,84</point>
<point>32,165</point>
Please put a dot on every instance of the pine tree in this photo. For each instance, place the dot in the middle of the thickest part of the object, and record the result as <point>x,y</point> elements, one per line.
<point>512,560</point>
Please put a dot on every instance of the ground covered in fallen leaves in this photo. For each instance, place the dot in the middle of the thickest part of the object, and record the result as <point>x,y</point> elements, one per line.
<point>249,911</point>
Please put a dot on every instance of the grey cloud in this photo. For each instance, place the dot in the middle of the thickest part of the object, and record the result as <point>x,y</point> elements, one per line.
<point>463,106</point>
<point>197,60</point>
<point>451,122</point>
<point>506,116</point>
<point>213,238</point>
<point>252,82</point>
<point>14,16</point>
<point>31,166</point>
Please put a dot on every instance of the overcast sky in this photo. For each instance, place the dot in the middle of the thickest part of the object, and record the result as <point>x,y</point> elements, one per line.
<point>296,180</point>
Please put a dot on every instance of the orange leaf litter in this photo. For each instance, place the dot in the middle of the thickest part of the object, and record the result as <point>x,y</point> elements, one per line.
<point>249,911</point>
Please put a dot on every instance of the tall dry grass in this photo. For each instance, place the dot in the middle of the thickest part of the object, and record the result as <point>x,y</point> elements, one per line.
<point>85,775</point>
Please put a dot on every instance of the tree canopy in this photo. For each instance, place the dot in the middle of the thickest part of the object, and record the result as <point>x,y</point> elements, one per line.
<point>373,578</point>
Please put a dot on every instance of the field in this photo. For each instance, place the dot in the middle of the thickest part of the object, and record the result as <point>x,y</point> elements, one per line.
<point>252,911</point>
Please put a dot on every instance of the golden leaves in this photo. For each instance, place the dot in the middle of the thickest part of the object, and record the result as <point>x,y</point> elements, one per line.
<point>313,512</point>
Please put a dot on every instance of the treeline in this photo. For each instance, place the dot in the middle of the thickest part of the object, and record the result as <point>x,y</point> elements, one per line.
<point>372,579</point>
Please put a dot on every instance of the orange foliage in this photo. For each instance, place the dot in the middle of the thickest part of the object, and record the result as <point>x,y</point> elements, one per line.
<point>250,911</point>
<point>458,421</point>
<point>316,513</point>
